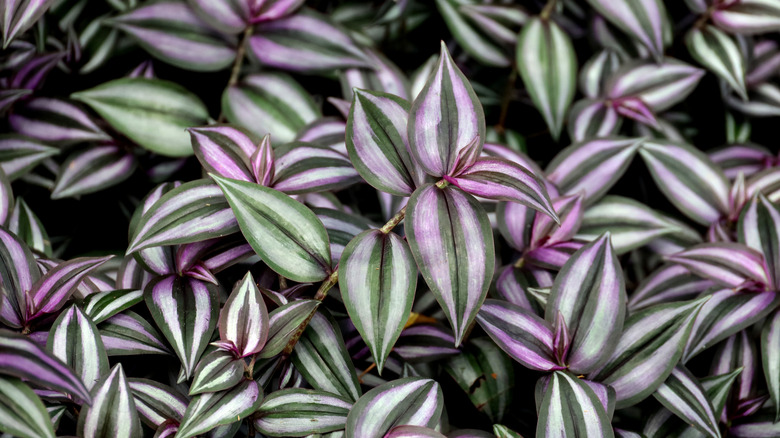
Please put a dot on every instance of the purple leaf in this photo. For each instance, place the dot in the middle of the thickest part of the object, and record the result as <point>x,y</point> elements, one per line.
<point>20,16</point>
<point>32,74</point>
<point>284,322</point>
<point>496,178</point>
<point>514,224</point>
<point>243,321</point>
<point>411,401</point>
<point>383,76</point>
<point>186,312</point>
<point>19,154</point>
<point>748,17</point>
<point>759,228</point>
<point>545,232</point>
<point>656,86</point>
<point>512,285</point>
<point>590,294</point>
<point>670,282</point>
<point>103,305</point>
<point>682,394</point>
<point>129,334</point>
<point>644,20</point>
<point>55,120</point>
<point>212,409</point>
<point>75,340</point>
<point>730,264</point>
<point>112,413</point>
<point>570,407</point>
<point>593,118</point>
<point>770,357</point>
<point>306,168</point>
<point>451,240</point>
<point>553,256</point>
<point>229,17</point>
<point>224,151</point>
<point>735,159</point>
<point>407,431</point>
<point>157,403</point>
<point>524,336</point>
<point>445,118</point>
<point>425,343</point>
<point>21,357</point>
<point>93,169</point>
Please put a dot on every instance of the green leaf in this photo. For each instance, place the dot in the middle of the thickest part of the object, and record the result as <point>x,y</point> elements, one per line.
<point>300,412</point>
<point>22,413</point>
<point>112,413</point>
<point>571,408</point>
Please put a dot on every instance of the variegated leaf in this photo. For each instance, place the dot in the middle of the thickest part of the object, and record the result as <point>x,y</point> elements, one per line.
<point>212,409</point>
<point>730,264</point>
<point>289,238</point>
<point>300,412</point>
<point>307,168</point>
<point>570,408</point>
<point>342,227</point>
<point>451,240</point>
<point>284,322</point>
<point>75,340</point>
<point>18,275</point>
<point>759,228</point>
<point>682,394</point>
<point>224,151</point>
<point>103,305</point>
<point>243,321</point>
<point>645,20</point>
<point>483,30</point>
<point>548,66</point>
<point>112,413</point>
<point>595,72</point>
<point>19,154</point>
<point>719,53</point>
<point>670,282</point>
<point>157,403</point>
<point>219,370</point>
<point>25,223</point>
<point>22,413</point>
<point>93,169</point>
<point>592,118</point>
<point>6,198</point>
<point>129,334</point>
<point>656,86</point>
<point>748,17</point>
<point>770,357</point>
<point>18,16</point>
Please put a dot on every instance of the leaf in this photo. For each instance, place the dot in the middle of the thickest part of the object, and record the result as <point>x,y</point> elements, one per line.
<point>342,227</point>
<point>229,17</point>
<point>172,32</point>
<point>411,401</point>
<point>6,198</point>
<point>748,17</point>
<point>151,112</point>
<point>757,228</point>
<point>224,151</point>
<point>217,371</point>
<point>270,103</point>
<point>92,170</point>
<point>322,358</point>
<point>658,86</point>
<point>377,142</point>
<point>283,323</point>
<point>730,264</point>
<point>719,53</point>
<point>770,357</point>
<point>682,394</point>
<point>9,97</point>
<point>75,340</point>
<point>20,16</point>
<point>590,295</point>
<point>413,432</point>
<point>650,346</point>
<point>25,223</point>
<point>194,211</point>
<point>592,167</point>
<point>53,289</point>
<point>594,74</point>
<point>451,241</point>
<point>112,413</point>
<point>185,310</point>
<point>668,283</point>
<point>18,273</point>
<point>425,343</point>
<point>103,305</point>
<point>301,412</point>
<point>592,118</point>
<point>157,403</point>
<point>307,168</point>
<point>548,66</point>
<point>486,375</point>
<point>644,20</point>
<point>524,336</point>
<point>21,357</point>
<point>733,159</point>
<point>128,334</point>
<point>446,122</point>
<point>688,179</point>
<point>377,279</point>
<point>22,414</point>
<point>472,29</point>
<point>19,154</point>
<point>545,232</point>
<point>500,179</point>
<point>243,321</point>
<point>515,222</point>
<point>212,409</point>
<point>571,408</point>
<point>306,42</point>
<point>287,235</point>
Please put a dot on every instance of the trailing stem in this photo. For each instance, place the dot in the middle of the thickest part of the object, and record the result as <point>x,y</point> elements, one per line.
<point>240,53</point>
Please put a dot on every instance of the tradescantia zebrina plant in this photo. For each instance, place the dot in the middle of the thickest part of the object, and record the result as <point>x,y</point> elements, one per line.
<point>456,218</point>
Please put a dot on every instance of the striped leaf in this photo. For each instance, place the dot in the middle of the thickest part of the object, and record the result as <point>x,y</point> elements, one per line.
<point>446,123</point>
<point>92,170</point>
<point>129,334</point>
<point>306,168</point>
<point>682,394</point>
<point>425,343</point>
<point>688,178</point>
<point>172,32</point>
<point>411,401</point>
<point>270,103</point>
<point>658,86</point>
<point>289,238</point>
<point>503,180</point>
<point>157,403</point>
<point>730,264</point>
<point>217,371</point>
<point>224,151</point>
<point>151,112</point>
<point>514,223</point>
<point>22,413</point>
<point>727,312</point>
<point>322,358</point>
<point>758,227</point>
<point>6,198</point>
<point>451,228</point>
<point>670,282</point>
<point>75,340</point>
<point>306,42</point>
<point>342,227</point>
<point>19,154</point>
<point>548,67</point>
<point>571,408</point>
<point>718,387</point>
<point>720,54</point>
<point>185,310</point>
<point>212,409</point>
<point>514,285</point>
<point>103,305</point>
<point>592,118</point>
<point>630,223</point>
<point>53,289</point>
<point>229,17</point>
<point>592,167</point>
<point>300,412</point>
<point>18,16</point>
<point>284,322</point>
<point>645,20</point>
<point>377,142</point>
<point>545,232</point>
<point>486,375</point>
<point>524,336</point>
<point>9,97</point>
<point>192,212</point>
<point>112,413</point>
<point>595,72</point>
<point>502,431</point>
<point>243,321</point>
<point>25,223</point>
<point>55,120</point>
<point>770,357</point>
<point>589,294</point>
<point>733,159</point>
<point>383,76</point>
<point>650,346</point>
<point>748,17</point>
<point>377,279</point>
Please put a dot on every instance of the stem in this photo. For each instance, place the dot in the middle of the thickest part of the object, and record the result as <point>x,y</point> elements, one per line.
<point>237,63</point>
<point>548,10</point>
<point>510,85</point>
<point>282,283</point>
<point>395,220</point>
